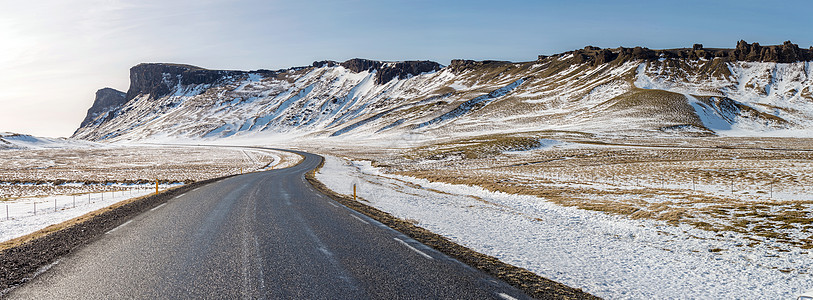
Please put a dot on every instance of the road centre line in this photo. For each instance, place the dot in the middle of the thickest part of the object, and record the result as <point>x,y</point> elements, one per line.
<point>413,248</point>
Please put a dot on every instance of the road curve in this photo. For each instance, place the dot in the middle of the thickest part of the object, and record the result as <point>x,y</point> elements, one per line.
<point>259,235</point>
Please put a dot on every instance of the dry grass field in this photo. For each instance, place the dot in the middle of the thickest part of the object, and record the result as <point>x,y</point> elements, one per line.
<point>761,187</point>
<point>26,173</point>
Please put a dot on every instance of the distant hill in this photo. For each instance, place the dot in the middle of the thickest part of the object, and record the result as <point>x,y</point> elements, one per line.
<point>16,141</point>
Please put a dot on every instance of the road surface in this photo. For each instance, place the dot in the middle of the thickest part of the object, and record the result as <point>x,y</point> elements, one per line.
<point>259,235</point>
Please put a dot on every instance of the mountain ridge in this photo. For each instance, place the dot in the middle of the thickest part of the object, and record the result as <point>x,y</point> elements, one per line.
<point>585,90</point>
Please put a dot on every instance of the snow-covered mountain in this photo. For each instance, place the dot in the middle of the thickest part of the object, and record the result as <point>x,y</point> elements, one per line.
<point>16,141</point>
<point>748,90</point>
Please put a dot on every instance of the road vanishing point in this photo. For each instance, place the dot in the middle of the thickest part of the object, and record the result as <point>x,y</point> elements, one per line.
<point>264,235</point>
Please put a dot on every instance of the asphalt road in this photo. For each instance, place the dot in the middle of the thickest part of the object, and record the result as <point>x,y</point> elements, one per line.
<point>259,235</point>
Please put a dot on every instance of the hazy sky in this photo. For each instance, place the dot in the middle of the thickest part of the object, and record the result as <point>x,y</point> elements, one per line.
<point>55,54</point>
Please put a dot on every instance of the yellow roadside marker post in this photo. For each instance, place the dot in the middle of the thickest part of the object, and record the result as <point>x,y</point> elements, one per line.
<point>354,192</point>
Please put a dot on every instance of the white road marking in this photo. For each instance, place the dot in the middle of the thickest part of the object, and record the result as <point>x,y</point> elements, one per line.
<point>197,188</point>
<point>179,196</point>
<point>117,227</point>
<point>325,251</point>
<point>413,248</point>
<point>334,205</point>
<point>360,219</point>
<point>506,296</point>
<point>44,269</point>
<point>157,207</point>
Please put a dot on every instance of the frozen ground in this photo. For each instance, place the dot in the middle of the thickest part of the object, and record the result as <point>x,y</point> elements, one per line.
<point>608,255</point>
<point>19,217</point>
<point>45,172</point>
<point>64,183</point>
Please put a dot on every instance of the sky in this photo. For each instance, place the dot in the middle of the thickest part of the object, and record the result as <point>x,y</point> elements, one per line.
<point>55,54</point>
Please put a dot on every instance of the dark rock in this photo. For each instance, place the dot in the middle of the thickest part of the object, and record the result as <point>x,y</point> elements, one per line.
<point>790,52</point>
<point>107,100</point>
<point>386,71</point>
<point>459,65</point>
<point>324,63</point>
<point>605,56</point>
<point>157,79</point>
<point>643,53</point>
<point>360,65</point>
<point>404,69</point>
<point>785,53</point>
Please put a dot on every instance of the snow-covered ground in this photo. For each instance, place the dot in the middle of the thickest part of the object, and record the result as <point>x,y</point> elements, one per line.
<point>10,140</point>
<point>609,256</point>
<point>18,217</point>
<point>48,179</point>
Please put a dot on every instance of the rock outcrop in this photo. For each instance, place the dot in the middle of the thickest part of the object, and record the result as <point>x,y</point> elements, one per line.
<point>386,71</point>
<point>460,65</point>
<point>785,53</point>
<point>158,79</point>
<point>107,100</point>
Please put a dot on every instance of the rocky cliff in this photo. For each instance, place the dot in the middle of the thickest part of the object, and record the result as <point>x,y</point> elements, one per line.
<point>785,53</point>
<point>158,79</point>
<point>107,99</point>
<point>385,71</point>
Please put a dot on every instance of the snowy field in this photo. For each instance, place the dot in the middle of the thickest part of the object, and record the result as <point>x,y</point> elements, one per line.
<point>43,187</point>
<point>761,187</point>
<point>609,255</point>
<point>26,215</point>
<point>46,172</point>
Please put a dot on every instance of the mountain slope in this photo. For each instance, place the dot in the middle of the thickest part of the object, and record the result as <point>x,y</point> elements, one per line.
<point>107,100</point>
<point>638,91</point>
<point>16,141</point>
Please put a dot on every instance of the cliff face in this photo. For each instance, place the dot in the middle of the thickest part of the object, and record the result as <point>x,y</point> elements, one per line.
<point>785,53</point>
<point>107,100</point>
<point>385,71</point>
<point>158,79</point>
